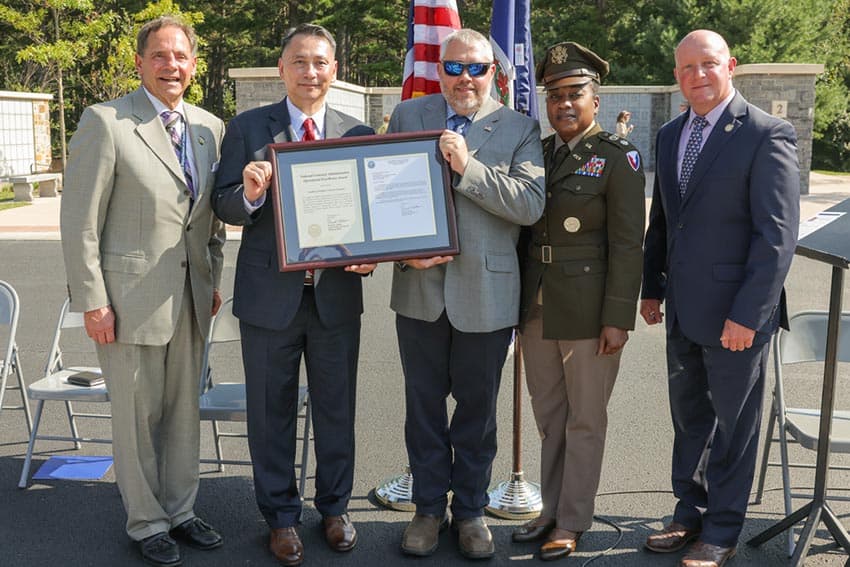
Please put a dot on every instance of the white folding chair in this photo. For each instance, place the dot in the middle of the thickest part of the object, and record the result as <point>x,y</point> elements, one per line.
<point>10,307</point>
<point>54,386</point>
<point>805,342</point>
<point>225,401</point>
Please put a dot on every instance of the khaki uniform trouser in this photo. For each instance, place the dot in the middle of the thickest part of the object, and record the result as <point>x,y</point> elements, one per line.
<point>570,387</point>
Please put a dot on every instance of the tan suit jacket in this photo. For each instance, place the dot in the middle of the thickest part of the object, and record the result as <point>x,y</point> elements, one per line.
<point>128,233</point>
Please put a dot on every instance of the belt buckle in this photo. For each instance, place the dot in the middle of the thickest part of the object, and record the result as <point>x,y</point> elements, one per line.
<point>546,254</point>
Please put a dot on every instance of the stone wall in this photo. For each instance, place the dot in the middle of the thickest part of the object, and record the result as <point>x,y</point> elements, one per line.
<point>24,133</point>
<point>786,90</point>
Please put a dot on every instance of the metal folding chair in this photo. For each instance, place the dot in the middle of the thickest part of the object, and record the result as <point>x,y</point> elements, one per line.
<point>805,342</point>
<point>54,386</point>
<point>10,307</point>
<point>225,401</point>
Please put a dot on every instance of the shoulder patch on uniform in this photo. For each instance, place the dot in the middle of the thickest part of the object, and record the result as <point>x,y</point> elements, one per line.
<point>634,159</point>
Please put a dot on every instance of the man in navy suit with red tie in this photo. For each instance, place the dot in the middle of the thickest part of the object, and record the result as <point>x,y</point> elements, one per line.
<point>722,233</point>
<point>286,315</point>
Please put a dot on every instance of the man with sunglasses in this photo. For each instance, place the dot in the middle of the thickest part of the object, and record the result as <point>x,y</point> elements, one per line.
<point>454,314</point>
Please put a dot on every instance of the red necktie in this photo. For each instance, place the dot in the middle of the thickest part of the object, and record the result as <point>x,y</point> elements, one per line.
<point>309,128</point>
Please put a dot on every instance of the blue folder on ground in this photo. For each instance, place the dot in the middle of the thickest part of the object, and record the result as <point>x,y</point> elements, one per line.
<point>74,468</point>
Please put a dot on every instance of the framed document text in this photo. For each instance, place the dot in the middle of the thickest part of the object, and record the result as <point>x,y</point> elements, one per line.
<point>361,200</point>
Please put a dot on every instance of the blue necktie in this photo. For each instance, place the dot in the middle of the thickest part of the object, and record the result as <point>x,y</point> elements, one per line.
<point>459,124</point>
<point>173,122</point>
<point>691,153</point>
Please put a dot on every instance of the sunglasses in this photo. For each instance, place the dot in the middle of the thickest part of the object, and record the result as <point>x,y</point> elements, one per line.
<point>455,68</point>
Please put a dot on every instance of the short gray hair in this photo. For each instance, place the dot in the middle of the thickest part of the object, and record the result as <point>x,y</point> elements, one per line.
<point>314,30</point>
<point>165,22</point>
<point>469,38</point>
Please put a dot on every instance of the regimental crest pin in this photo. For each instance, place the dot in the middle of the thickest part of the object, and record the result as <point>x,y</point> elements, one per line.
<point>593,167</point>
<point>634,159</point>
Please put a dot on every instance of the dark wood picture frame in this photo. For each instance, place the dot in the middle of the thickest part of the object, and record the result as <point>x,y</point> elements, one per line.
<point>354,155</point>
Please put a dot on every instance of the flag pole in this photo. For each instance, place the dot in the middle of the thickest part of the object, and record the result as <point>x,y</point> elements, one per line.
<point>510,27</point>
<point>517,498</point>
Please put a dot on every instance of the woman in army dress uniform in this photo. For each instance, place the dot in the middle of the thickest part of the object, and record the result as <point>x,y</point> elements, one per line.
<point>581,278</point>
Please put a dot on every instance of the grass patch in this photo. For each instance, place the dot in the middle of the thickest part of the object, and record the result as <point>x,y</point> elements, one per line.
<point>7,198</point>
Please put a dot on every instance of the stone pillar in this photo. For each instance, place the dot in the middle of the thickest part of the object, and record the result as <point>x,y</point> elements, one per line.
<point>787,91</point>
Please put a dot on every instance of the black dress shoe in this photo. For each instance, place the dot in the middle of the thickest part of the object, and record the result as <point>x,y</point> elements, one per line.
<point>532,532</point>
<point>198,534</point>
<point>160,550</point>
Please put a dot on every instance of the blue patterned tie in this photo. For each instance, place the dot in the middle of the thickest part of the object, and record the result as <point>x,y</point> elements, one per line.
<point>691,153</point>
<point>173,122</point>
<point>459,124</point>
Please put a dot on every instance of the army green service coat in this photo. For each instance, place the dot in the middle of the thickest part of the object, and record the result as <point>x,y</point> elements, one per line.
<point>586,250</point>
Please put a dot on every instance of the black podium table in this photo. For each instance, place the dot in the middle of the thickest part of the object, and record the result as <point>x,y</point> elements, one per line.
<point>829,244</point>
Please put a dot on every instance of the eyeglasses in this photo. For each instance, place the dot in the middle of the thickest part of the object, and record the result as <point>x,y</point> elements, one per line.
<point>455,68</point>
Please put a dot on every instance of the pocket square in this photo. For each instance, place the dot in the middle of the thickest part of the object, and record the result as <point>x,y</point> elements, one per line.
<point>214,167</point>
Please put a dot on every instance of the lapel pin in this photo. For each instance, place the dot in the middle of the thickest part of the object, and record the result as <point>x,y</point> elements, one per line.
<point>201,140</point>
<point>729,127</point>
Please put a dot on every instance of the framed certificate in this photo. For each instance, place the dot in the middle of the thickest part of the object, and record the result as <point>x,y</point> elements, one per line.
<point>361,200</point>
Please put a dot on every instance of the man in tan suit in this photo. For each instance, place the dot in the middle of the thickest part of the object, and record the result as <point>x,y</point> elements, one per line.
<point>143,255</point>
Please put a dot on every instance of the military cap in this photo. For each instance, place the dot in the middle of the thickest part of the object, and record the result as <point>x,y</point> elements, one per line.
<point>569,59</point>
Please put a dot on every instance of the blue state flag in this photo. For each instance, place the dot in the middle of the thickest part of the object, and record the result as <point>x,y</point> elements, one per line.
<point>510,35</point>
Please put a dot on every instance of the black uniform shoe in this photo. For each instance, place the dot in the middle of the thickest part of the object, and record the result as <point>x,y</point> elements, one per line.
<point>160,550</point>
<point>198,534</point>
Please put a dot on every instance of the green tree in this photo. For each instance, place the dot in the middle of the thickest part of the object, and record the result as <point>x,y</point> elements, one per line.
<point>59,34</point>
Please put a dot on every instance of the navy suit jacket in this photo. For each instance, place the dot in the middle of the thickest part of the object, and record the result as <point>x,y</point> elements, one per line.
<point>723,251</point>
<point>262,295</point>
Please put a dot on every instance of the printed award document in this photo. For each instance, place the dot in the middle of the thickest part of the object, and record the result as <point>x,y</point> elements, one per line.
<point>400,196</point>
<point>327,203</point>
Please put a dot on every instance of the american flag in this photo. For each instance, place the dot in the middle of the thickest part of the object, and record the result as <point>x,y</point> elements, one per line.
<point>429,22</point>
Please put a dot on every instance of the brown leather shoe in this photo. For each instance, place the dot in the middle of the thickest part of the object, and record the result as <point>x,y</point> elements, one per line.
<point>672,538</point>
<point>536,529</point>
<point>286,546</point>
<point>339,532</point>
<point>474,538</point>
<point>703,554</point>
<point>560,544</point>
<point>422,534</point>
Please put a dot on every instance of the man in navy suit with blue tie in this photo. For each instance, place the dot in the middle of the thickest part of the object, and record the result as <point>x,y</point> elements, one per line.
<point>722,233</point>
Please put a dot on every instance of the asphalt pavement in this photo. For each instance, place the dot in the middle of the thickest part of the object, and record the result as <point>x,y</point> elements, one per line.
<point>82,522</point>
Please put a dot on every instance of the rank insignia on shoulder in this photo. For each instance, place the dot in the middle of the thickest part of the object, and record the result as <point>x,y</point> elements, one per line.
<point>593,167</point>
<point>634,159</point>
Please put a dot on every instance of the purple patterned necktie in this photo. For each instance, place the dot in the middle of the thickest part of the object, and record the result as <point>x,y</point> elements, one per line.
<point>691,153</point>
<point>173,122</point>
